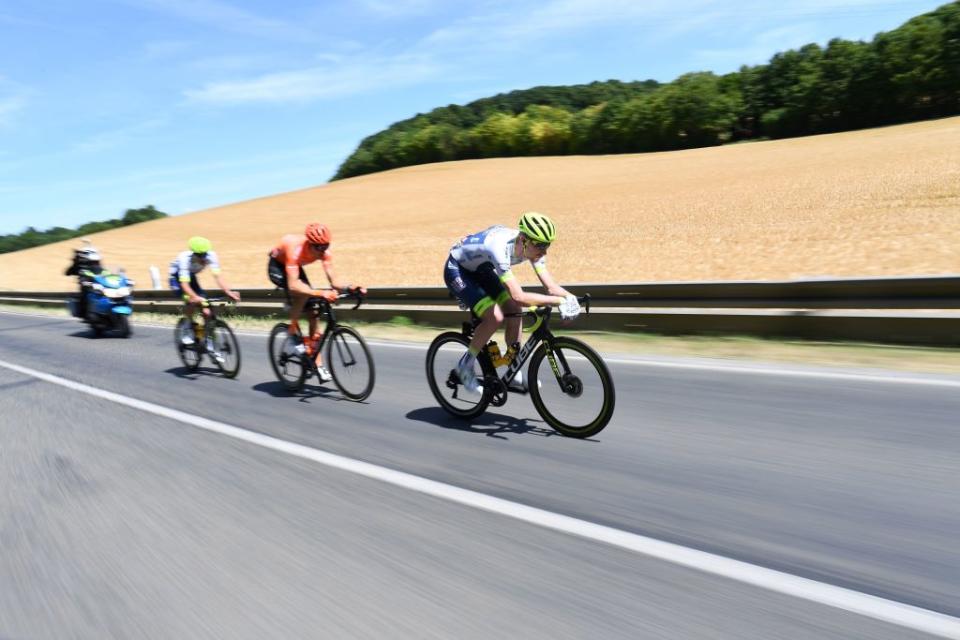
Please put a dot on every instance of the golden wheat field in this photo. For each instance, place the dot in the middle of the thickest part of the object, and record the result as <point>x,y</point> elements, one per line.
<point>877,202</point>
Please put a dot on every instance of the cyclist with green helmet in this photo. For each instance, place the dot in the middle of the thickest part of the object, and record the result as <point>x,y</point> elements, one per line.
<point>478,273</point>
<point>184,283</point>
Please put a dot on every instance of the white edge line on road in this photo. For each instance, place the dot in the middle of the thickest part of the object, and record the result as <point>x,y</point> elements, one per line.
<point>641,362</point>
<point>863,604</point>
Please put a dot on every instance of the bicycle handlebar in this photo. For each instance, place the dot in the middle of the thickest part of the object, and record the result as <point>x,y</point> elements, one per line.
<point>353,294</point>
<point>340,296</point>
<point>584,300</point>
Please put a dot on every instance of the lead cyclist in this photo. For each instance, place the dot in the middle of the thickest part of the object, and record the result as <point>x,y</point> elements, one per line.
<point>478,273</point>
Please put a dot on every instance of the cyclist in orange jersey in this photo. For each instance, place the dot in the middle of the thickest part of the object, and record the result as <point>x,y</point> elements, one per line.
<point>285,269</point>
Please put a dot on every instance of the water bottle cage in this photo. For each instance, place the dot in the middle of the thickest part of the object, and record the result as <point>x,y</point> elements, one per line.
<point>502,361</point>
<point>498,360</point>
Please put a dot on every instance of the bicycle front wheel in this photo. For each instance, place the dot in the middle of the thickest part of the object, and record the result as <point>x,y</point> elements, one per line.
<point>442,359</point>
<point>189,354</point>
<point>350,363</point>
<point>227,346</point>
<point>291,370</point>
<point>574,392</point>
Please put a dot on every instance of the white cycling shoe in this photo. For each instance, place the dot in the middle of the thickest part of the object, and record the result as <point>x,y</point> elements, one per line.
<point>519,385</point>
<point>468,378</point>
<point>294,347</point>
<point>323,374</point>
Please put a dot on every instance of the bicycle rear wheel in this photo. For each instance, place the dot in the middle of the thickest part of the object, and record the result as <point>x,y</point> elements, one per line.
<point>190,355</point>
<point>574,394</point>
<point>291,371</point>
<point>442,359</point>
<point>226,344</point>
<point>350,363</point>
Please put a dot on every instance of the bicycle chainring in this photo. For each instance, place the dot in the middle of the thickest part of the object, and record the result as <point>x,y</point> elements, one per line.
<point>499,397</point>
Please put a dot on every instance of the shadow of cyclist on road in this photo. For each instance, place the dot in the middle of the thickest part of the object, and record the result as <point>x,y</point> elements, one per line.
<point>492,425</point>
<point>187,374</point>
<point>277,390</point>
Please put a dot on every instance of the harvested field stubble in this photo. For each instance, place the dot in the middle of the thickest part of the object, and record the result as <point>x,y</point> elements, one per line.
<point>878,202</point>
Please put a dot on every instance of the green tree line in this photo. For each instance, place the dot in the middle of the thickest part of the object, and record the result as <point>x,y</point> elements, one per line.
<point>32,237</point>
<point>910,73</point>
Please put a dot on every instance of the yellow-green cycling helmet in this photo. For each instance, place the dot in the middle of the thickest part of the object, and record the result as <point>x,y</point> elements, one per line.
<point>538,227</point>
<point>199,244</point>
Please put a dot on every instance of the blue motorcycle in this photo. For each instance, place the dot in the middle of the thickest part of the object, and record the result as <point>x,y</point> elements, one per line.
<point>107,296</point>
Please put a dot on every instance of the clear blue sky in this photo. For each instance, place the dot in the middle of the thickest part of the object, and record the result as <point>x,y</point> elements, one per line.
<point>186,104</point>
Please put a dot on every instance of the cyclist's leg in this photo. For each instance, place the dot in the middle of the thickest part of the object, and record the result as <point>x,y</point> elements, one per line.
<point>277,274</point>
<point>297,302</point>
<point>470,288</point>
<point>503,304</point>
<point>204,308</point>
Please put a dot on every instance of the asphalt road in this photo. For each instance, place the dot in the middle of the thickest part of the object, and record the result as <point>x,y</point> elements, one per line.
<point>117,522</point>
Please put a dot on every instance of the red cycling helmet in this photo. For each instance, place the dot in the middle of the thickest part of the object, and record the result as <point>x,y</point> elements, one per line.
<point>317,233</point>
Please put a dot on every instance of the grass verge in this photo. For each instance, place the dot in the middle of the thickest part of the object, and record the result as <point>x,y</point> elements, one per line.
<point>731,348</point>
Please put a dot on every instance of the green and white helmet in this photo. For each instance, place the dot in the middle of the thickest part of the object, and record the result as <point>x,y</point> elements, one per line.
<point>537,227</point>
<point>199,244</point>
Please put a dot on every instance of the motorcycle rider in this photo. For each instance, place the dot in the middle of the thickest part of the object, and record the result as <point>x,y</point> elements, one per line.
<point>86,264</point>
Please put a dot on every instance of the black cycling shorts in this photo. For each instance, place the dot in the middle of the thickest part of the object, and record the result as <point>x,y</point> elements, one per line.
<point>278,274</point>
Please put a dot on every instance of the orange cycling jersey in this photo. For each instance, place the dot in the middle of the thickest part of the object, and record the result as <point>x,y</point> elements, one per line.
<point>294,251</point>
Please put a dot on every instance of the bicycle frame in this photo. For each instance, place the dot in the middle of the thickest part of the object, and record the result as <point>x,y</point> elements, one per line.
<point>316,308</point>
<point>539,332</point>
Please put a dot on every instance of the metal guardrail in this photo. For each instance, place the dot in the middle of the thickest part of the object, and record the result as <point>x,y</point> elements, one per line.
<point>910,310</point>
<point>926,292</point>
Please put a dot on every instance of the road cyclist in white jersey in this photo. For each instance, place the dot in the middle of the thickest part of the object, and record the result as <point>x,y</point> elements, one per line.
<point>479,274</point>
<point>184,283</point>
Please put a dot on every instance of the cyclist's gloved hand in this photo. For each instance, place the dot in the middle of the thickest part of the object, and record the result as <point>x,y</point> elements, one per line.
<point>569,308</point>
<point>330,295</point>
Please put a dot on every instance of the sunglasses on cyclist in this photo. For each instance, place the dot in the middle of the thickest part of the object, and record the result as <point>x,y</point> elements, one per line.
<point>540,245</point>
<point>319,248</point>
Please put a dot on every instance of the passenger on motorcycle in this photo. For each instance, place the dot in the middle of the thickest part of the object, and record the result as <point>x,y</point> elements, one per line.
<point>478,273</point>
<point>184,283</point>
<point>285,270</point>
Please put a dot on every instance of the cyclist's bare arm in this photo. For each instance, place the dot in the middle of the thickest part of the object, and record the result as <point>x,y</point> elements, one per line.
<point>527,298</point>
<point>192,296</point>
<point>332,277</point>
<point>222,283</point>
<point>298,286</point>
<point>550,284</point>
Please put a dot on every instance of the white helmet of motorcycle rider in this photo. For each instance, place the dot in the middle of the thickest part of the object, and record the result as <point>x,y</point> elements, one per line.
<point>88,254</point>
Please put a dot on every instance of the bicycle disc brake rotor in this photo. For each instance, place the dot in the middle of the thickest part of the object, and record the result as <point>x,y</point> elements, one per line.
<point>572,386</point>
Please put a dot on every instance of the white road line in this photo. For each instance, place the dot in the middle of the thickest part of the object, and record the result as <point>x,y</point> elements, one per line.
<point>897,613</point>
<point>920,379</point>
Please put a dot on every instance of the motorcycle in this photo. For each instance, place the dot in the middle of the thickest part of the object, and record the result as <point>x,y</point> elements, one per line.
<point>108,304</point>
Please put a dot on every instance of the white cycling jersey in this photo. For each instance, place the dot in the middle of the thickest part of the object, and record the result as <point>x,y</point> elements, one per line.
<point>494,245</point>
<point>188,263</point>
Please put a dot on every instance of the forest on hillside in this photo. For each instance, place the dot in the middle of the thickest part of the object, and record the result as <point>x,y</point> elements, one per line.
<point>910,73</point>
<point>32,237</point>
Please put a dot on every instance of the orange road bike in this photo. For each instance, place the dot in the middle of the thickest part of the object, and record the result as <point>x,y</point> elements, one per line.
<point>345,353</point>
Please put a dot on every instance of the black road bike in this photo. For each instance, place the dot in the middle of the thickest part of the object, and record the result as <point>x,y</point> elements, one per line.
<point>214,338</point>
<point>345,353</point>
<point>573,393</point>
